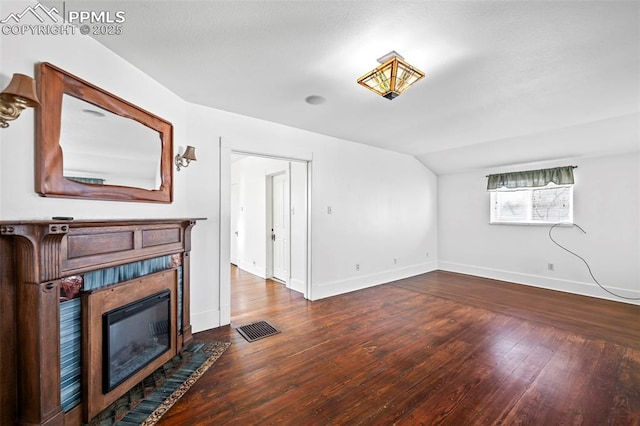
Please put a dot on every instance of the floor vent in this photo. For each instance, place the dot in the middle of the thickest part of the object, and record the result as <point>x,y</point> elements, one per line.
<point>257,330</point>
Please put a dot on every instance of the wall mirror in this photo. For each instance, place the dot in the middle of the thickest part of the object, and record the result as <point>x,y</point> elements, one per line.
<point>92,144</point>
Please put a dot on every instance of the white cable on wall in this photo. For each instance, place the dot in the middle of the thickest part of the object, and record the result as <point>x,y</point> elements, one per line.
<point>583,260</point>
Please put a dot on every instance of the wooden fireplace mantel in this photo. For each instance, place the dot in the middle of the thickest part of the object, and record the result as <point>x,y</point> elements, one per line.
<point>34,257</point>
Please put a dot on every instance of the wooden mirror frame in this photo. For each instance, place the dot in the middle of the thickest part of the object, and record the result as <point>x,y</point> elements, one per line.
<point>53,83</point>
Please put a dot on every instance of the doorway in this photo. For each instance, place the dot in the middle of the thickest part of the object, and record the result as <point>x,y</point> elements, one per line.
<point>269,219</point>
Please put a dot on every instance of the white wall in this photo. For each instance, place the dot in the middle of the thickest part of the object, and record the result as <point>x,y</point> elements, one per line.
<point>607,206</point>
<point>203,201</point>
<point>383,202</point>
<point>383,208</point>
<point>91,61</point>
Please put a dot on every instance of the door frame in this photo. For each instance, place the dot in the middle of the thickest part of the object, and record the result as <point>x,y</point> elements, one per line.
<point>269,221</point>
<point>231,246</point>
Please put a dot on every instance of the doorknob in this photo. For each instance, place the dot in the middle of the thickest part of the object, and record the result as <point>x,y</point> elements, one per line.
<point>273,237</point>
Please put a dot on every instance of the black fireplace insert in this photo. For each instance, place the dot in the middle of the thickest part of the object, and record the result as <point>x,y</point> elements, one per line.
<point>133,336</point>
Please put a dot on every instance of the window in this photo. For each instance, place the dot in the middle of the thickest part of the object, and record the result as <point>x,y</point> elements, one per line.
<point>549,204</point>
<point>535,196</point>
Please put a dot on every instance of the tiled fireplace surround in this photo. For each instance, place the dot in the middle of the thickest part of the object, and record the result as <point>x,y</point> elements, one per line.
<point>119,261</point>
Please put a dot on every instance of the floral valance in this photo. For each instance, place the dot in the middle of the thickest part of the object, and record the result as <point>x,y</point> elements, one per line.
<point>531,178</point>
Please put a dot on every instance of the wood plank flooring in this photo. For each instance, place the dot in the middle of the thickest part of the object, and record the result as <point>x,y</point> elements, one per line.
<point>440,348</point>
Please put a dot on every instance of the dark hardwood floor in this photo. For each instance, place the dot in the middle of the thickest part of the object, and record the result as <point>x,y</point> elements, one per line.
<point>440,348</point>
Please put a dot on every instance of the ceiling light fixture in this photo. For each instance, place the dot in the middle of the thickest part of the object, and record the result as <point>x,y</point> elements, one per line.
<point>392,78</point>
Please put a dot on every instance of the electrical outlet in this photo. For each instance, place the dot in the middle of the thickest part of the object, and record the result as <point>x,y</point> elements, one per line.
<point>357,266</point>
<point>550,266</point>
<point>329,211</point>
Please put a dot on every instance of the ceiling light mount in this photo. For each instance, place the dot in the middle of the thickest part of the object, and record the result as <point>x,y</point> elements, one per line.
<point>315,100</point>
<point>392,78</point>
<point>390,55</point>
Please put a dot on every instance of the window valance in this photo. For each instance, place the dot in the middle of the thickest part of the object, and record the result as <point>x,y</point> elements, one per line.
<point>531,178</point>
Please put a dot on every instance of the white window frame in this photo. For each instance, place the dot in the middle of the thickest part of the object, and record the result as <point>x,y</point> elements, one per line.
<point>528,218</point>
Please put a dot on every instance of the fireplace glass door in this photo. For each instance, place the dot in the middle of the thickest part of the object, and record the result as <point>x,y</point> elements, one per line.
<point>133,336</point>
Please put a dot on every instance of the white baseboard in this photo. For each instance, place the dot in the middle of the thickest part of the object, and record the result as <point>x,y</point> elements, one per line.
<point>225,315</point>
<point>252,269</point>
<point>334,288</point>
<point>206,320</point>
<point>296,285</point>
<point>567,286</point>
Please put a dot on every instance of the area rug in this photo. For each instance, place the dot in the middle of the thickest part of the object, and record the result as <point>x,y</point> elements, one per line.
<point>150,399</point>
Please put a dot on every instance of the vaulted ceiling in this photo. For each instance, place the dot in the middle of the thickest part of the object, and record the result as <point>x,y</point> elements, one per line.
<point>507,81</point>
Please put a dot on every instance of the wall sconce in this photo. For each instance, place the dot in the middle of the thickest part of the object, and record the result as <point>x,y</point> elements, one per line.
<point>19,94</point>
<point>188,156</point>
<point>391,78</point>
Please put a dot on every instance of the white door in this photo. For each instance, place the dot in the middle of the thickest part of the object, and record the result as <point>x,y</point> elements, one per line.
<point>235,213</point>
<point>279,220</point>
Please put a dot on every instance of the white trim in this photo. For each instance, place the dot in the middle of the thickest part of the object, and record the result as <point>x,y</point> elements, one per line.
<point>252,269</point>
<point>309,284</point>
<point>297,285</point>
<point>268,212</point>
<point>224,244</point>
<point>269,270</point>
<point>566,286</point>
<point>335,288</point>
<point>206,320</point>
<point>221,278</point>
<point>288,258</point>
<point>269,156</point>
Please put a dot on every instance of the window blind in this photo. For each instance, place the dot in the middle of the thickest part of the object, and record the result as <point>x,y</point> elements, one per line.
<point>531,178</point>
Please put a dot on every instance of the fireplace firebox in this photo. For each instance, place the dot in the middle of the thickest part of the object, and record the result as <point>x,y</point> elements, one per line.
<point>129,330</point>
<point>133,336</point>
